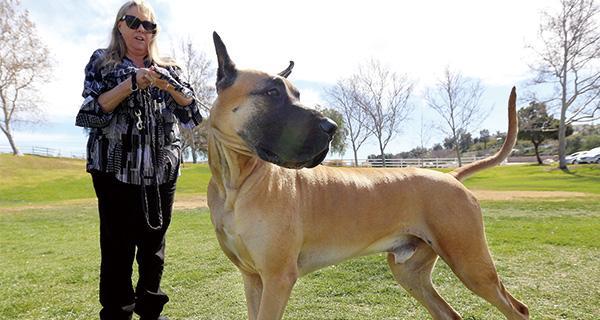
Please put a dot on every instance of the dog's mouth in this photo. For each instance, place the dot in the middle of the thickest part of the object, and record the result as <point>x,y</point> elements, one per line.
<point>270,156</point>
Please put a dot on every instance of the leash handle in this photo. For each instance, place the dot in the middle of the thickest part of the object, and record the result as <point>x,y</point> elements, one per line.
<point>144,194</point>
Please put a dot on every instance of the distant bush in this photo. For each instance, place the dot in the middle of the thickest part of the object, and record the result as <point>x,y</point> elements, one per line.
<point>579,142</point>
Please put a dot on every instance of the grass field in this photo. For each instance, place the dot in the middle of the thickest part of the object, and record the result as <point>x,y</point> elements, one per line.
<point>547,252</point>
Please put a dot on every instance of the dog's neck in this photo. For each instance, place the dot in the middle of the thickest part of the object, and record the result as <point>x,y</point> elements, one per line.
<point>230,163</point>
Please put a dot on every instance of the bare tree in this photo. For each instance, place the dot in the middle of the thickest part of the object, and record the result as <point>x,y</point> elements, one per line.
<point>424,135</point>
<point>383,96</point>
<point>24,62</point>
<point>198,72</point>
<point>457,100</point>
<point>341,98</point>
<point>569,61</point>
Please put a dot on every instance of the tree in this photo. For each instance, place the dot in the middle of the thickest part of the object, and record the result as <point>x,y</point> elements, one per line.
<point>465,141</point>
<point>198,72</point>
<point>457,100</point>
<point>341,98</point>
<point>484,136</point>
<point>537,126</point>
<point>569,61</point>
<point>338,144</point>
<point>383,96</point>
<point>24,62</point>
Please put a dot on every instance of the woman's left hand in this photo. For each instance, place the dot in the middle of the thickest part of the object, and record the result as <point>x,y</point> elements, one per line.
<point>158,81</point>
<point>163,80</point>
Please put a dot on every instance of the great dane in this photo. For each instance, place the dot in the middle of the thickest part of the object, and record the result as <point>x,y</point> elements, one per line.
<point>277,220</point>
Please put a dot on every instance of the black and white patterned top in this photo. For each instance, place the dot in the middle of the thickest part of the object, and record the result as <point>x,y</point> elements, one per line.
<point>115,144</point>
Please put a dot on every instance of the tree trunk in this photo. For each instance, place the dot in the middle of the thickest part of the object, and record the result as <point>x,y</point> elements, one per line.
<point>355,150</point>
<point>194,156</point>
<point>537,154</point>
<point>562,128</point>
<point>457,149</point>
<point>562,141</point>
<point>11,141</point>
<point>382,155</point>
<point>193,146</point>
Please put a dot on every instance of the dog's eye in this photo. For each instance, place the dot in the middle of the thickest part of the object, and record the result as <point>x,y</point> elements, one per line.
<point>274,92</point>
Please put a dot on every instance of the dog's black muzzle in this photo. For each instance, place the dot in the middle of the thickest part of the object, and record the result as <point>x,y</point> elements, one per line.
<point>293,138</point>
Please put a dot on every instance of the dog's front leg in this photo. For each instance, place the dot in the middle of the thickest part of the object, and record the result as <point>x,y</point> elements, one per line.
<point>276,292</point>
<point>253,290</point>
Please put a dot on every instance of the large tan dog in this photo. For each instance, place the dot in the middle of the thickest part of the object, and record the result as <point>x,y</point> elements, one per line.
<point>277,222</point>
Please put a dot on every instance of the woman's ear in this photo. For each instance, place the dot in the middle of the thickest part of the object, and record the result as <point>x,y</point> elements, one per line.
<point>120,27</point>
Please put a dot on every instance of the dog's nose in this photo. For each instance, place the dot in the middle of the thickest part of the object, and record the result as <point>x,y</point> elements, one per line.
<point>328,125</point>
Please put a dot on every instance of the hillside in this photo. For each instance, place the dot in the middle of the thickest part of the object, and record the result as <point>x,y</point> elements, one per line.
<point>32,179</point>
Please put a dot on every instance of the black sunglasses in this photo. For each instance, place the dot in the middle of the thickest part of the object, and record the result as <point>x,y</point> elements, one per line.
<point>134,23</point>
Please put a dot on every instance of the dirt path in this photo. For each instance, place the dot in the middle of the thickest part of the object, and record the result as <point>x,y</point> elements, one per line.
<point>191,202</point>
<point>181,203</point>
<point>511,195</point>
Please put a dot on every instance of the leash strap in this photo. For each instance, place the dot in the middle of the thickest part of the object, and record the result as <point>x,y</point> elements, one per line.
<point>146,100</point>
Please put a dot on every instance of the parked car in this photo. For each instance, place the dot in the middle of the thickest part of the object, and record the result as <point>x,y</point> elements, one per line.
<point>592,156</point>
<point>572,158</point>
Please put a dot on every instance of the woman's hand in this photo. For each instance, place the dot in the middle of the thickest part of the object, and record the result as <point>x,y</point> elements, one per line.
<point>144,78</point>
<point>160,83</point>
<point>161,78</point>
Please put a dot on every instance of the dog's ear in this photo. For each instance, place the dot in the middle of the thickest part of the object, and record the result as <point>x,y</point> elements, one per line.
<point>226,72</point>
<point>285,73</point>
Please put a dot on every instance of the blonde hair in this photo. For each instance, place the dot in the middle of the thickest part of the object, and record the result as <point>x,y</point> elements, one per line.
<point>116,49</point>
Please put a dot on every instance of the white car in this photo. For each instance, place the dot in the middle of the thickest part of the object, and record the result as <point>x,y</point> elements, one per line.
<point>572,158</point>
<point>592,156</point>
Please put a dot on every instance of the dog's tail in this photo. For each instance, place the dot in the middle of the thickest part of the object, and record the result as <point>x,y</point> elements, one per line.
<point>511,137</point>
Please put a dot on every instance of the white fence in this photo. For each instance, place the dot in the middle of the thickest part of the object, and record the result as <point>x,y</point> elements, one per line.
<point>44,152</point>
<point>375,163</point>
<point>402,163</point>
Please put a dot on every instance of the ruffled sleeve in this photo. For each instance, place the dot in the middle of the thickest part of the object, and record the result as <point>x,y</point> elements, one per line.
<point>90,113</point>
<point>189,116</point>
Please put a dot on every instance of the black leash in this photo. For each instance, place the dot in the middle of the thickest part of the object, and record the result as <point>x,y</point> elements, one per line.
<point>147,99</point>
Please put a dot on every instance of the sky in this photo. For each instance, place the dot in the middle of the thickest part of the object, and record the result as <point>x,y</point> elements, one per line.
<point>328,40</point>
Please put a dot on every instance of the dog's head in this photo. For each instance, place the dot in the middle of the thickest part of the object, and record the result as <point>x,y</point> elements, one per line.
<point>264,113</point>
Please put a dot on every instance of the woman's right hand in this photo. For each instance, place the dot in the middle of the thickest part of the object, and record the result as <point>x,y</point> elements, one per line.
<point>143,78</point>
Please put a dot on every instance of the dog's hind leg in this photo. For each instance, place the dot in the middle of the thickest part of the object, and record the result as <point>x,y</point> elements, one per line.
<point>479,275</point>
<point>253,291</point>
<point>414,274</point>
<point>466,253</point>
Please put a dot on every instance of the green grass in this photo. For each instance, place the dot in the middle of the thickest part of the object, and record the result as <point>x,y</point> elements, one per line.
<point>581,178</point>
<point>546,251</point>
<point>50,264</point>
<point>31,180</point>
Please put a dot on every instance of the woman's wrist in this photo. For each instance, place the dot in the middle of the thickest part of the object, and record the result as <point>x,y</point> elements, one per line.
<point>179,97</point>
<point>134,87</point>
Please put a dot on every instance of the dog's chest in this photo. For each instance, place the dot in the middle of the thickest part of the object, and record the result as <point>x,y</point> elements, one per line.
<point>230,239</point>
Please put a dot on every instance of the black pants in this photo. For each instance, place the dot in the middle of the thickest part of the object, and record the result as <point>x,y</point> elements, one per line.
<point>123,227</point>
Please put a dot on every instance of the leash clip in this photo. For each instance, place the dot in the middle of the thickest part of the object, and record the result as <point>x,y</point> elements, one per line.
<point>139,124</point>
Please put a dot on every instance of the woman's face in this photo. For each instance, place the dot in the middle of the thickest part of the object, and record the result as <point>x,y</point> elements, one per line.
<point>136,40</point>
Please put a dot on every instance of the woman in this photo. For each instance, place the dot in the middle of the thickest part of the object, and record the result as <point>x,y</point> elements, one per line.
<point>133,102</point>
